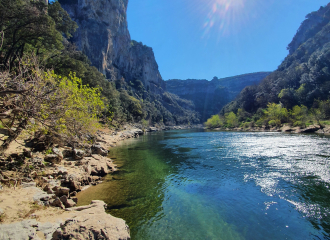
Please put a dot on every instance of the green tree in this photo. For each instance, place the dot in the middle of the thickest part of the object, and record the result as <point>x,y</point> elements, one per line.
<point>32,27</point>
<point>299,115</point>
<point>276,114</point>
<point>57,105</point>
<point>214,122</point>
<point>231,120</point>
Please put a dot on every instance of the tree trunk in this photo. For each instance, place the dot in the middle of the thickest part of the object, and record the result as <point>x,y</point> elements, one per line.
<point>14,135</point>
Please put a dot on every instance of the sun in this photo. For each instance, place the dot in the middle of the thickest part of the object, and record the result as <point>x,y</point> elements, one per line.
<point>224,15</point>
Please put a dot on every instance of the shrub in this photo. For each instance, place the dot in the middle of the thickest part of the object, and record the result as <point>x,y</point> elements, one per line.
<point>214,122</point>
<point>299,124</point>
<point>272,123</point>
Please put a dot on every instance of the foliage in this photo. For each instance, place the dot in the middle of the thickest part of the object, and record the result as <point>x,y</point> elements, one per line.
<point>275,115</point>
<point>27,28</point>
<point>51,103</point>
<point>302,78</point>
<point>70,97</point>
<point>81,107</point>
<point>63,22</point>
<point>231,120</point>
<point>214,122</point>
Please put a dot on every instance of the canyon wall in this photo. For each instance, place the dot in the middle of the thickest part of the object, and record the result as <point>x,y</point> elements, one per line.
<point>104,37</point>
<point>210,96</point>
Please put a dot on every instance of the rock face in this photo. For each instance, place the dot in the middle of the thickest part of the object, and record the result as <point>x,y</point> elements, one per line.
<point>103,36</point>
<point>210,96</point>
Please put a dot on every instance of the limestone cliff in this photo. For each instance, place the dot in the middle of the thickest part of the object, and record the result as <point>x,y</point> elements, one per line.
<point>210,96</point>
<point>103,36</point>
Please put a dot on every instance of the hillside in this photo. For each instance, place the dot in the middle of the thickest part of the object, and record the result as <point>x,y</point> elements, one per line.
<point>210,96</point>
<point>302,78</point>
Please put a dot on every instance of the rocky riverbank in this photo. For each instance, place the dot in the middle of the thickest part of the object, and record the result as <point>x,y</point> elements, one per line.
<point>285,128</point>
<point>39,184</point>
<point>38,189</point>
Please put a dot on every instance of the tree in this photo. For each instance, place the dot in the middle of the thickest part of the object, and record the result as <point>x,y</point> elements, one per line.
<point>231,120</point>
<point>54,104</point>
<point>299,115</point>
<point>32,27</point>
<point>214,122</point>
<point>276,114</point>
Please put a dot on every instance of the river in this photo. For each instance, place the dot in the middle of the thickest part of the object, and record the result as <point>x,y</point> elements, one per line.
<point>196,184</point>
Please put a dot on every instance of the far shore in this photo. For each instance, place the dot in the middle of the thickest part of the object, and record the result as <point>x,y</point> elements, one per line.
<point>285,128</point>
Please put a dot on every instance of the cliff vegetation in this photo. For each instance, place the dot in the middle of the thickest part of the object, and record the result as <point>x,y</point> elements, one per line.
<point>302,79</point>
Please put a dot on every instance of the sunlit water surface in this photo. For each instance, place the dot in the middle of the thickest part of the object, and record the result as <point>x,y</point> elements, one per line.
<point>220,185</point>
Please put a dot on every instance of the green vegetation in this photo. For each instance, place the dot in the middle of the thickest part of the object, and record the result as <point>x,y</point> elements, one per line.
<point>302,79</point>
<point>214,122</point>
<point>49,87</point>
<point>275,115</point>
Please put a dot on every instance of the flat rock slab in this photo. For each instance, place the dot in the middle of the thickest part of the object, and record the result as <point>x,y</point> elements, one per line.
<point>28,229</point>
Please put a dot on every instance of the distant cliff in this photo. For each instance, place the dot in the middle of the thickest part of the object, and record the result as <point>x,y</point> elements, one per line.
<point>103,36</point>
<point>304,75</point>
<point>210,96</point>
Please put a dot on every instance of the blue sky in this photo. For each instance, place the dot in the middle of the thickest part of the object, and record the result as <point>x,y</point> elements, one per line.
<point>201,39</point>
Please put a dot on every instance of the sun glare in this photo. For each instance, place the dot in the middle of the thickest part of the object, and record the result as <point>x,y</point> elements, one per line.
<point>223,16</point>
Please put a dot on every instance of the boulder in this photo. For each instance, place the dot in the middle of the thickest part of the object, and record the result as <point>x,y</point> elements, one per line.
<point>67,152</point>
<point>57,203</point>
<point>52,158</point>
<point>78,154</point>
<point>60,191</point>
<point>58,152</point>
<point>62,171</point>
<point>286,129</point>
<point>97,149</point>
<point>68,203</point>
<point>27,153</point>
<point>98,165</point>
<point>310,129</point>
<point>100,226</point>
<point>153,129</point>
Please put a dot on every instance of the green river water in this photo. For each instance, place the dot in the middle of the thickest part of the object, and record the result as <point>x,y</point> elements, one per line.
<point>196,184</point>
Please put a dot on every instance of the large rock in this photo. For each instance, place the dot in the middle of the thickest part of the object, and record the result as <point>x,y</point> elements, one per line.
<point>78,154</point>
<point>87,222</point>
<point>68,203</point>
<point>310,129</point>
<point>98,149</point>
<point>52,158</point>
<point>57,203</point>
<point>92,222</point>
<point>27,230</point>
<point>98,165</point>
<point>58,152</point>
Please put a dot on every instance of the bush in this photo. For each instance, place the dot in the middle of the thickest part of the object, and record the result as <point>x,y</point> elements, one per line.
<point>214,122</point>
<point>57,105</point>
<point>272,123</point>
<point>299,124</point>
